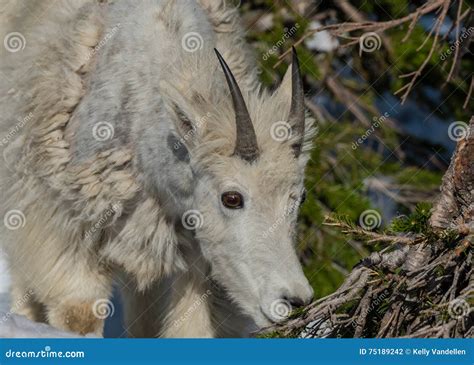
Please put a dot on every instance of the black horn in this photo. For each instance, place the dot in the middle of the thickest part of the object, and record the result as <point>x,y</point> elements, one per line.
<point>246,140</point>
<point>297,111</point>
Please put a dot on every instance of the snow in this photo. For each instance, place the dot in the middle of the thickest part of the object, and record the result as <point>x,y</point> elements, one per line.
<point>321,41</point>
<point>4,283</point>
<point>14,326</point>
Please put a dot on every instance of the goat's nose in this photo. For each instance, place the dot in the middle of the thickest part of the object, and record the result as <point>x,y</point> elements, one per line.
<point>295,302</point>
<point>298,301</point>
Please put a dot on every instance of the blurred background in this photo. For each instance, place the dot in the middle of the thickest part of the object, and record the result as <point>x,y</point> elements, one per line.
<point>390,85</point>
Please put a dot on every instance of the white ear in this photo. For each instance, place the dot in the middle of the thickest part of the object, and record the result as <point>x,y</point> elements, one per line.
<point>282,95</point>
<point>181,114</point>
<point>284,90</point>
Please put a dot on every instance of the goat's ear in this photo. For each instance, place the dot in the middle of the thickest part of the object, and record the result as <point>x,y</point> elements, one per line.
<point>283,96</point>
<point>186,124</point>
<point>283,93</point>
<point>285,86</point>
<point>183,123</point>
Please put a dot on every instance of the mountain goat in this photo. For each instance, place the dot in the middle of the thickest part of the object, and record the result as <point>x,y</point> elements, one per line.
<point>138,139</point>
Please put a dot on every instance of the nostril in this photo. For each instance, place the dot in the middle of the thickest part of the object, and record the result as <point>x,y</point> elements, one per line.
<point>295,302</point>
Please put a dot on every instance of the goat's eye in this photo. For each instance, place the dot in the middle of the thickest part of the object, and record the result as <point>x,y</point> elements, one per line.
<point>232,200</point>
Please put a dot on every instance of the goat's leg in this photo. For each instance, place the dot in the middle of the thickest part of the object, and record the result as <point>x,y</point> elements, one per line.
<point>144,310</point>
<point>71,297</point>
<point>24,303</point>
<point>174,306</point>
<point>189,312</point>
<point>77,299</point>
<point>60,272</point>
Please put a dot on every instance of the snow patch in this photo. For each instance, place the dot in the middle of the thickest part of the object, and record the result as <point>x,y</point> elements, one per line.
<point>321,41</point>
<point>4,283</point>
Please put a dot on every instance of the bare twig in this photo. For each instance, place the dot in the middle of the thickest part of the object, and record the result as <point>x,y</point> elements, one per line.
<point>469,93</point>
<point>437,27</point>
<point>456,51</point>
<point>340,29</point>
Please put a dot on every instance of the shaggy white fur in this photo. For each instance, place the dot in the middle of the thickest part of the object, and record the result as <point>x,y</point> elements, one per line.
<point>93,201</point>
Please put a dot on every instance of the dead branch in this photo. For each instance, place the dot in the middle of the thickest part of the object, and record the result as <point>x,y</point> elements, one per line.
<point>340,29</point>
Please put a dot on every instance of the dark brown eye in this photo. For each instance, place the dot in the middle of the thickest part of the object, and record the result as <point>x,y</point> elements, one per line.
<point>232,200</point>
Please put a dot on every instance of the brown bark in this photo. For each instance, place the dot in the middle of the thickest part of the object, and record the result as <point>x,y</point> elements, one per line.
<point>455,207</point>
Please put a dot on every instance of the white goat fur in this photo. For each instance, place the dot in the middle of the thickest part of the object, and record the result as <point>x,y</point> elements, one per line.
<point>64,181</point>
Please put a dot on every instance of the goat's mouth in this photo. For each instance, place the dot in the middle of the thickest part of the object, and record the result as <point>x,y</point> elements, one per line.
<point>258,316</point>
